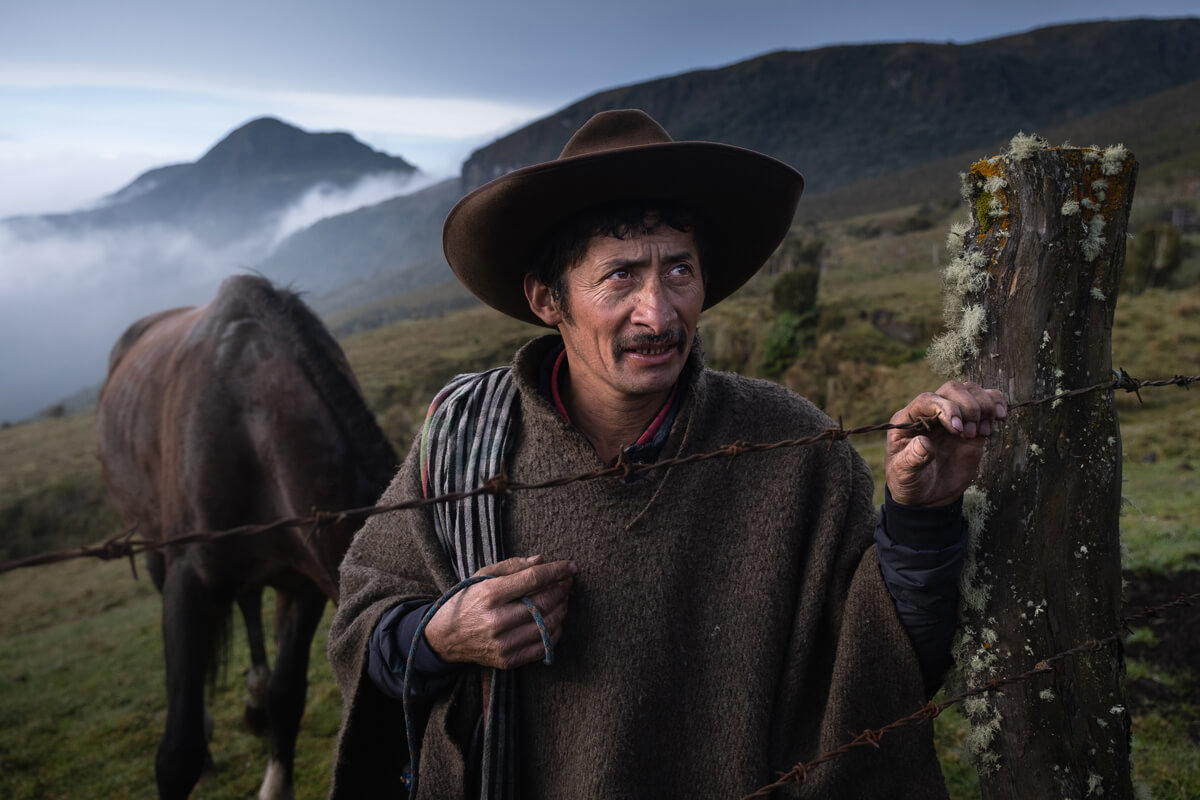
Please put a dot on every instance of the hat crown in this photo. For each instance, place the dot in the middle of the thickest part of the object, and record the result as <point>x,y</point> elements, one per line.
<point>611,130</point>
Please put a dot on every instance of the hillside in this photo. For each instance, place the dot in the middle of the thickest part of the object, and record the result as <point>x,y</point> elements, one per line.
<point>1162,129</point>
<point>844,114</point>
<point>383,250</point>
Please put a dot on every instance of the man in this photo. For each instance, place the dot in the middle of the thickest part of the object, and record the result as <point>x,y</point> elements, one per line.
<point>711,624</point>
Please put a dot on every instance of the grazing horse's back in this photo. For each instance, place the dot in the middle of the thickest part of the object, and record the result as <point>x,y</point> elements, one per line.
<point>240,412</point>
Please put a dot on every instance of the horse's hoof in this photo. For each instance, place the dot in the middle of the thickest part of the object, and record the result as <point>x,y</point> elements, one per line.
<point>209,770</point>
<point>276,785</point>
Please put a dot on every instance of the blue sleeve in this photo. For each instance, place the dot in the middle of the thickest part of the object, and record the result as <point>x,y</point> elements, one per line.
<point>921,553</point>
<point>388,653</point>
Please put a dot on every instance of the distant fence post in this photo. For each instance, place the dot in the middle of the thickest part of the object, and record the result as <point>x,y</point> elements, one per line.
<point>1030,298</point>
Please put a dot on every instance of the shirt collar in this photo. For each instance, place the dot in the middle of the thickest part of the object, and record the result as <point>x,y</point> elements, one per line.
<point>648,445</point>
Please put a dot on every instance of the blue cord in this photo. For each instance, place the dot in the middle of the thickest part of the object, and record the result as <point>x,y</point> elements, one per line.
<point>547,643</point>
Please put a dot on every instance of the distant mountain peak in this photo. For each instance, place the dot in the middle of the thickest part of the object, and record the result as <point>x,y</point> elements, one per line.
<point>266,123</point>
<point>268,145</point>
<point>243,182</point>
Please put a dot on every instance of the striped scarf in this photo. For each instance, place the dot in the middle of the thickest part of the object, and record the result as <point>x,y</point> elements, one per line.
<point>462,445</point>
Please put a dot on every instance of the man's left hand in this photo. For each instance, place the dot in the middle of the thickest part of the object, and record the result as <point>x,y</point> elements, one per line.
<point>934,467</point>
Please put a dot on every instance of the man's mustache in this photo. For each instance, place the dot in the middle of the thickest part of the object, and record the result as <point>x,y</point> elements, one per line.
<point>673,337</point>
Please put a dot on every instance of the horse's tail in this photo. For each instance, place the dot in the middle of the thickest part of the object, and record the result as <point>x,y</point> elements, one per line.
<point>220,646</point>
<point>323,360</point>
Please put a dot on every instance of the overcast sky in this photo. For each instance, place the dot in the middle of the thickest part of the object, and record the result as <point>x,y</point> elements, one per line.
<point>91,94</point>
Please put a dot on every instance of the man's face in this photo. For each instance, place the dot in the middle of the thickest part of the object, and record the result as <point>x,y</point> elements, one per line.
<point>633,306</point>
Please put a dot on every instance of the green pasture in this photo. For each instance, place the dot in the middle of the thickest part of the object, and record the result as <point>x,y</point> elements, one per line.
<point>81,684</point>
<point>82,702</point>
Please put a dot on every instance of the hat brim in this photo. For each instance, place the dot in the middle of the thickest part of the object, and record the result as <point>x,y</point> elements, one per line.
<point>745,199</point>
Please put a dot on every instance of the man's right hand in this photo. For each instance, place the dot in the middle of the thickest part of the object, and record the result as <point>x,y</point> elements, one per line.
<point>487,623</point>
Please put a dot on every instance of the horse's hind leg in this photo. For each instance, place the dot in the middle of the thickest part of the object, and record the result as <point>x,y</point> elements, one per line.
<point>259,677</point>
<point>189,622</point>
<point>297,614</point>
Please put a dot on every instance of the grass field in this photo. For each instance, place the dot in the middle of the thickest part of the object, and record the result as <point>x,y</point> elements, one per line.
<point>81,685</point>
<point>83,702</point>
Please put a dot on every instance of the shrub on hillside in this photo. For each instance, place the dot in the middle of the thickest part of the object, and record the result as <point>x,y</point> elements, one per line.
<point>789,336</point>
<point>796,291</point>
<point>796,252</point>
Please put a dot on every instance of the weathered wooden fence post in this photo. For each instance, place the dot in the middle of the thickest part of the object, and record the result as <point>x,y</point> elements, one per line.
<point>1029,308</point>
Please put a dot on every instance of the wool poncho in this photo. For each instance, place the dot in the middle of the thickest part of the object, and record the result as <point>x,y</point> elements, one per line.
<point>728,620</point>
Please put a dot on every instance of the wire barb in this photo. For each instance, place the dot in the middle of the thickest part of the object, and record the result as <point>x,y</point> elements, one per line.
<point>624,469</point>
<point>733,450</point>
<point>497,484</point>
<point>1124,381</point>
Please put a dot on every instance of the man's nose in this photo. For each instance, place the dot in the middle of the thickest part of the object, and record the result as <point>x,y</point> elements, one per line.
<point>654,309</point>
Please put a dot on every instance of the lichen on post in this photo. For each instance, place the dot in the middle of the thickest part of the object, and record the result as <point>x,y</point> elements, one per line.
<point>1029,302</point>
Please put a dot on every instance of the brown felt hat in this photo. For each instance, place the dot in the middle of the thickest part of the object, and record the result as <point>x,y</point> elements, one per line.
<point>746,201</point>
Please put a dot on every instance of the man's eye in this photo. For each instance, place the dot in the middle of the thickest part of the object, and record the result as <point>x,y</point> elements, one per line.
<point>682,269</point>
<point>618,274</point>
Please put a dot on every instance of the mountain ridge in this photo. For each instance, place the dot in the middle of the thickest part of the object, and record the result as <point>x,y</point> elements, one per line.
<point>831,111</point>
<point>1158,129</point>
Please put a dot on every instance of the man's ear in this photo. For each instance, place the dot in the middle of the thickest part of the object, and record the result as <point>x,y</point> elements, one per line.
<point>541,302</point>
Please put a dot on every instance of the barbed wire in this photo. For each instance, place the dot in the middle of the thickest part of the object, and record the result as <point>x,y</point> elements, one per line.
<point>931,710</point>
<point>126,545</point>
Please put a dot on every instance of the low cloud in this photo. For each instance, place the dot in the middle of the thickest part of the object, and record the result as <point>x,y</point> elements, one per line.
<point>442,117</point>
<point>325,200</point>
<point>67,293</point>
<point>66,297</point>
<point>62,181</point>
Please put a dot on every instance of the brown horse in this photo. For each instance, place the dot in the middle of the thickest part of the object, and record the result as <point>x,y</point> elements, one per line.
<point>243,411</point>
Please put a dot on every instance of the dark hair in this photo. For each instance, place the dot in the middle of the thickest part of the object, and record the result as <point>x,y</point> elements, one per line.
<point>568,243</point>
